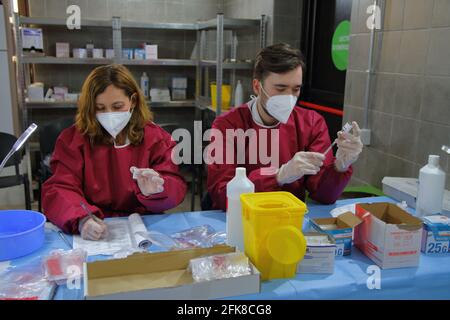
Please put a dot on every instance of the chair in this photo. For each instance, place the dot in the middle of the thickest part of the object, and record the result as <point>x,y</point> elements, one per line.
<point>6,142</point>
<point>196,172</point>
<point>47,139</point>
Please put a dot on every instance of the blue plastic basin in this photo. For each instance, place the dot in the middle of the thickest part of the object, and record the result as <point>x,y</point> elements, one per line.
<point>21,233</point>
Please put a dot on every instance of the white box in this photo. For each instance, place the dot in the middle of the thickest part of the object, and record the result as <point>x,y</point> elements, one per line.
<point>405,189</point>
<point>161,276</point>
<point>32,39</point>
<point>178,94</point>
<point>179,83</point>
<point>139,54</point>
<point>73,97</point>
<point>388,235</point>
<point>62,50</point>
<point>319,258</point>
<point>97,53</point>
<point>36,92</point>
<point>127,54</point>
<point>436,235</point>
<point>151,52</point>
<point>110,54</point>
<point>80,53</point>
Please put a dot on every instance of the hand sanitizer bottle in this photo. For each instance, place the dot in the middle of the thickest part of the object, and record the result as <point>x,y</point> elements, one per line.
<point>145,84</point>
<point>238,185</point>
<point>430,193</point>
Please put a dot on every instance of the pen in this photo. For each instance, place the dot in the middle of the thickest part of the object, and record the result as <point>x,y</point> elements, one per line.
<point>65,239</point>
<point>90,214</point>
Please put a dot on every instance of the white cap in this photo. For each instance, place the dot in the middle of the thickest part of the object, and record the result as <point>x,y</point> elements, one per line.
<point>241,172</point>
<point>433,160</point>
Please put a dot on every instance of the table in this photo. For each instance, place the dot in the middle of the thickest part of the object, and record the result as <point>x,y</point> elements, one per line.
<point>431,280</point>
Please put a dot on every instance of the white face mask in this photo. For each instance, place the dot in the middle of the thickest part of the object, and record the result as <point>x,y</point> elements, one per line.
<point>114,122</point>
<point>280,107</point>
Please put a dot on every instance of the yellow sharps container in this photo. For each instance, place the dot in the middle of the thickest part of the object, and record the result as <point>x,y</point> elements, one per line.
<point>273,237</point>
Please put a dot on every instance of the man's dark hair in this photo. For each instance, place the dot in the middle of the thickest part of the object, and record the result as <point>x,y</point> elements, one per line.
<point>277,58</point>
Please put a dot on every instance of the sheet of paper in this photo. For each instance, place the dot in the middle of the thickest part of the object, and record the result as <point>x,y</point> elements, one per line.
<point>118,239</point>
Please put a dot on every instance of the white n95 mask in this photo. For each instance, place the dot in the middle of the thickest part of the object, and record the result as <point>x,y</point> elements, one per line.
<point>114,122</point>
<point>280,107</point>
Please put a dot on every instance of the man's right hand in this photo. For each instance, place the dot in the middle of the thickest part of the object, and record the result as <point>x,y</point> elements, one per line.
<point>93,230</point>
<point>303,163</point>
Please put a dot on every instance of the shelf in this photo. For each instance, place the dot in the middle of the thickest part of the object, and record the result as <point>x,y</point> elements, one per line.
<point>159,26</point>
<point>159,62</point>
<point>73,105</point>
<point>54,60</point>
<point>43,21</point>
<point>92,61</point>
<point>228,65</point>
<point>229,24</point>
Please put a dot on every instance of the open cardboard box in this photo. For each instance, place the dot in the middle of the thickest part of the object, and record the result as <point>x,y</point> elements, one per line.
<point>319,258</point>
<point>342,233</point>
<point>390,236</point>
<point>163,275</point>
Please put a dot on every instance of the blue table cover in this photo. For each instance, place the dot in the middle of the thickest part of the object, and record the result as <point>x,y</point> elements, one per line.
<point>431,280</point>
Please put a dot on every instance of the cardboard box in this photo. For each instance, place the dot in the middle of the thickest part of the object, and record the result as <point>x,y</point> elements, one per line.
<point>62,50</point>
<point>110,54</point>
<point>161,275</point>
<point>319,258</point>
<point>80,53</point>
<point>139,54</point>
<point>388,235</point>
<point>436,235</point>
<point>179,94</point>
<point>97,53</point>
<point>340,228</point>
<point>32,39</point>
<point>127,54</point>
<point>179,83</point>
<point>151,52</point>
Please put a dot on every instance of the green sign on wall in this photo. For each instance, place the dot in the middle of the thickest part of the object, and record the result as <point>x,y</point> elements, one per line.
<point>340,44</point>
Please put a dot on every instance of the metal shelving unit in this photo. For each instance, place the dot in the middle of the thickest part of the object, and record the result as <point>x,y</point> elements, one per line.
<point>220,24</point>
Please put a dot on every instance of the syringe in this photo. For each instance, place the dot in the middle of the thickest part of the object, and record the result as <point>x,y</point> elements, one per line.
<point>346,128</point>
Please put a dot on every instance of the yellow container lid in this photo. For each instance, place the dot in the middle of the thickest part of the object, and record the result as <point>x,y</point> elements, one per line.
<point>286,245</point>
<point>270,203</point>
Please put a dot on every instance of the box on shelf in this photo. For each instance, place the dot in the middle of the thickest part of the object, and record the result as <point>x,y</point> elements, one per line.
<point>90,50</point>
<point>340,228</point>
<point>151,52</point>
<point>320,254</point>
<point>388,235</point>
<point>162,275</point>
<point>36,92</point>
<point>62,50</point>
<point>436,235</point>
<point>127,54</point>
<point>32,39</point>
<point>179,94</point>
<point>97,53</point>
<point>71,97</point>
<point>110,54</point>
<point>179,83</point>
<point>159,94</point>
<point>80,53</point>
<point>139,54</point>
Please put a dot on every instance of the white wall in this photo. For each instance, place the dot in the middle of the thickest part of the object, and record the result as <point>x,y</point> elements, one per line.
<point>6,118</point>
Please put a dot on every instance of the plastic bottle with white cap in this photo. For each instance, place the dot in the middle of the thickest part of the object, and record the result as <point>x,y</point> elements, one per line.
<point>430,193</point>
<point>238,185</point>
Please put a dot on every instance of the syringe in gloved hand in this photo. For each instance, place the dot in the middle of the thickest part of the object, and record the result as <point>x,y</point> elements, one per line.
<point>346,128</point>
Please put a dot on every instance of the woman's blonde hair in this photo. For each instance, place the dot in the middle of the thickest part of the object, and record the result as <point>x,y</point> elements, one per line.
<point>96,83</point>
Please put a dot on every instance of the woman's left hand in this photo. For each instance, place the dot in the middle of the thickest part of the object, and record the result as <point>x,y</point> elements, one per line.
<point>148,180</point>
